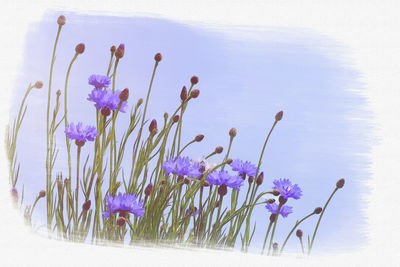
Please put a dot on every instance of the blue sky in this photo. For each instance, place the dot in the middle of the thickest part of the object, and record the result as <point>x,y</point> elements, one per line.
<point>246,76</point>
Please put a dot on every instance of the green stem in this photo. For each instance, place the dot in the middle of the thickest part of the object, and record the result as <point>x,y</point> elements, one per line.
<point>273,229</point>
<point>266,237</point>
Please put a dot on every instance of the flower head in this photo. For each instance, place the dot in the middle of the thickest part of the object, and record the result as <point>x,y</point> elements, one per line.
<point>99,81</point>
<point>224,178</point>
<point>182,166</point>
<point>107,99</point>
<point>273,208</point>
<point>123,203</point>
<point>81,132</point>
<point>287,189</point>
<point>244,167</point>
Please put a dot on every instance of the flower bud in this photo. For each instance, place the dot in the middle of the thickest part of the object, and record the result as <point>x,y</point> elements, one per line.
<point>86,205</point>
<point>66,181</point>
<point>140,101</point>
<point>179,179</point>
<point>229,161</point>
<point>148,190</point>
<point>299,233</point>
<point>271,200</point>
<point>14,194</point>
<point>282,200</point>
<point>183,94</point>
<point>199,137</point>
<point>112,49</point>
<point>158,57</point>
<point>194,80</point>
<point>260,178</point>
<point>186,181</point>
<point>278,116</point>
<point>318,210</point>
<point>232,132</point>
<point>79,143</point>
<point>80,48</point>
<point>176,118</point>
<point>42,193</point>
<point>206,184</point>
<point>162,182</point>
<point>120,51</point>
<point>58,93</point>
<point>105,111</point>
<point>195,93</point>
<point>165,115</point>
<point>251,179</point>
<point>219,149</point>
<point>272,217</point>
<point>340,183</point>
<point>38,84</point>
<point>61,20</point>
<point>222,190</point>
<point>153,125</point>
<point>228,213</point>
<point>121,221</point>
<point>124,95</point>
<point>276,192</point>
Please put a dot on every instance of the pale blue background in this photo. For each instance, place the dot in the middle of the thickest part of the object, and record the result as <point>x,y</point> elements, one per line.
<point>246,76</point>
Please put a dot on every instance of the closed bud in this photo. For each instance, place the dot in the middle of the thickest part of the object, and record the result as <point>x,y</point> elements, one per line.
<point>272,217</point>
<point>219,149</point>
<point>194,80</point>
<point>105,111</point>
<point>140,101</point>
<point>121,221</point>
<point>58,93</point>
<point>61,20</point>
<point>112,49</point>
<point>279,116</point>
<point>124,95</point>
<point>42,193</point>
<point>186,181</point>
<point>318,210</point>
<point>206,184</point>
<point>14,194</point>
<point>153,125</point>
<point>165,115</point>
<point>251,179</point>
<point>80,48</point>
<point>38,84</point>
<point>232,132</point>
<point>282,200</point>
<point>260,178</point>
<point>158,57</point>
<point>148,190</point>
<point>229,212</point>
<point>120,51</point>
<point>229,161</point>
<point>222,190</point>
<point>340,183</point>
<point>199,137</point>
<point>86,205</point>
<point>195,93</point>
<point>179,179</point>
<point>299,233</point>
<point>183,94</point>
<point>276,192</point>
<point>176,118</point>
<point>271,200</point>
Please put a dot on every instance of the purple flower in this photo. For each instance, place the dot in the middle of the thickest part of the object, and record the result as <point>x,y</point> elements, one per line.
<point>99,81</point>
<point>273,208</point>
<point>107,99</point>
<point>182,166</point>
<point>287,189</point>
<point>191,213</point>
<point>81,132</point>
<point>244,167</point>
<point>123,204</point>
<point>223,177</point>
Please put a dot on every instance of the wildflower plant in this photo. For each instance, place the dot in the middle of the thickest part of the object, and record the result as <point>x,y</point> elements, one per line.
<point>165,196</point>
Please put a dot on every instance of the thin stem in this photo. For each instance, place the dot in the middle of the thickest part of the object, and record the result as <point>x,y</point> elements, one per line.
<point>77,179</point>
<point>273,229</point>
<point>266,237</point>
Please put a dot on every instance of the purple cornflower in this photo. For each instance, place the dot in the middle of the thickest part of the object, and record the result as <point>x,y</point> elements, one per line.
<point>107,99</point>
<point>191,213</point>
<point>287,189</point>
<point>223,177</point>
<point>244,167</point>
<point>81,132</point>
<point>273,208</point>
<point>182,166</point>
<point>99,81</point>
<point>123,204</point>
